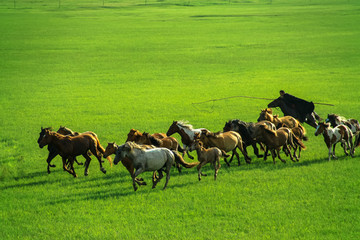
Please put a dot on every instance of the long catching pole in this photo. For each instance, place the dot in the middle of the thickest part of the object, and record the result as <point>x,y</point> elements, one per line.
<point>219,99</point>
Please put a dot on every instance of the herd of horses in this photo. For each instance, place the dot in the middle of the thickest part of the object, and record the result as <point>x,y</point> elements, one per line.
<point>158,152</point>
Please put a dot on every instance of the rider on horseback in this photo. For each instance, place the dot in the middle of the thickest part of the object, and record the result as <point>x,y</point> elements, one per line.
<point>302,108</point>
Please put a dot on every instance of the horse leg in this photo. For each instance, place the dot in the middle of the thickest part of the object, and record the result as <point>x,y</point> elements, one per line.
<point>157,179</point>
<point>244,152</point>
<point>78,163</point>
<point>216,166</point>
<point>273,155</point>
<point>266,153</point>
<point>87,163</point>
<point>137,172</point>
<point>256,150</point>
<point>167,171</point>
<point>288,150</point>
<point>95,151</point>
<point>278,154</point>
<point>333,153</point>
<point>71,160</point>
<point>187,152</point>
<point>51,156</point>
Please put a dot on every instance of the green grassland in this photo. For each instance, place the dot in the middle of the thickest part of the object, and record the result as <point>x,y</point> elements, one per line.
<point>128,65</point>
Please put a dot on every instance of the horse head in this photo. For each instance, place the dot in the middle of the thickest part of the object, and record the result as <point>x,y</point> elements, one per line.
<point>265,114</point>
<point>227,126</point>
<point>110,149</point>
<point>45,139</point>
<point>172,129</point>
<point>133,135</point>
<point>275,103</point>
<point>42,133</point>
<point>321,128</point>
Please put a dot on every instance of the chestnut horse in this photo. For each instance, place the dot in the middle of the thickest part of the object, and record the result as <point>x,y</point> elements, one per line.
<point>157,159</point>
<point>71,146</point>
<point>288,121</point>
<point>210,155</point>
<point>332,136</point>
<point>135,134</point>
<point>226,141</point>
<point>275,139</point>
<point>53,151</point>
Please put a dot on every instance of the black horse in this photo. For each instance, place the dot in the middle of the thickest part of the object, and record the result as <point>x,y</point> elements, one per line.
<point>309,118</point>
<point>246,130</point>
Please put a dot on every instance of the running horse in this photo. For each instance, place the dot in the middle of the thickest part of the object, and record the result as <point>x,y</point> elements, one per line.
<point>288,111</point>
<point>288,121</point>
<point>187,134</point>
<point>134,135</point>
<point>335,120</point>
<point>143,160</point>
<point>332,136</point>
<point>71,146</point>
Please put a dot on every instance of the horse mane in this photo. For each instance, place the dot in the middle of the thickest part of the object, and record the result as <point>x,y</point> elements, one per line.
<point>185,124</point>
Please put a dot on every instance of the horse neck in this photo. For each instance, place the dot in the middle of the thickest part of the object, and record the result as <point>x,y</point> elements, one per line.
<point>186,135</point>
<point>57,139</point>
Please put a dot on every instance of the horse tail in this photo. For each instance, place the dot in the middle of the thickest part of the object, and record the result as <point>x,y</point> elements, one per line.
<point>297,141</point>
<point>224,154</point>
<point>180,149</point>
<point>101,149</point>
<point>180,160</point>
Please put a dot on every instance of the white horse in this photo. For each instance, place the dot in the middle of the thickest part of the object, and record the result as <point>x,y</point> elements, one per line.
<point>157,159</point>
<point>187,133</point>
<point>332,136</point>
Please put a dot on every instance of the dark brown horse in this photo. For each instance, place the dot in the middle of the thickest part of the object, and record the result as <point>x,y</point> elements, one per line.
<point>71,146</point>
<point>53,151</point>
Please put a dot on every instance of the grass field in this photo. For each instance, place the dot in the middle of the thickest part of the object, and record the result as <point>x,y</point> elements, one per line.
<point>128,65</point>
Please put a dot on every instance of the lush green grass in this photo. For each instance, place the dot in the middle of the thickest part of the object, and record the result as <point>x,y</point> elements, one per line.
<point>134,66</point>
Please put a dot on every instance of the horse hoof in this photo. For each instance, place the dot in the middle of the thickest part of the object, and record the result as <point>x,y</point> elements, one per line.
<point>86,174</point>
<point>103,170</point>
<point>259,156</point>
<point>52,165</point>
<point>80,163</point>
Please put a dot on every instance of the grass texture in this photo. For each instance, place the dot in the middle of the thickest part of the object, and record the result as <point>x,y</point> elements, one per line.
<point>128,65</point>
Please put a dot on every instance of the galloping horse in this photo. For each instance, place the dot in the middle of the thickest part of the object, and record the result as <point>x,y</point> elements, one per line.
<point>69,147</point>
<point>157,159</point>
<point>135,134</point>
<point>210,155</point>
<point>332,136</point>
<point>288,121</point>
<point>246,130</point>
<point>187,133</point>
<point>226,141</point>
<point>275,139</point>
<point>336,120</point>
<point>53,151</point>
<point>310,118</point>
<point>111,148</point>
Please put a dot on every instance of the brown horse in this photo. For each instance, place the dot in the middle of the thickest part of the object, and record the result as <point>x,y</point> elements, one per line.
<point>275,139</point>
<point>69,147</point>
<point>67,131</point>
<point>288,121</point>
<point>210,155</point>
<point>134,135</point>
<point>226,141</point>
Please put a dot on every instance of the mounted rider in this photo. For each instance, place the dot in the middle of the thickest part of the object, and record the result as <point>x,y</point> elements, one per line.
<point>301,108</point>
